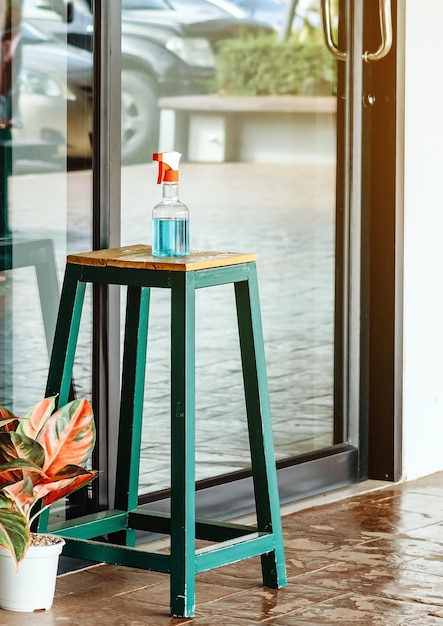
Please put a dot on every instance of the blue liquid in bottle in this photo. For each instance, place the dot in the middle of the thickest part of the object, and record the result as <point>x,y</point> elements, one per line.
<point>170,224</point>
<point>170,237</point>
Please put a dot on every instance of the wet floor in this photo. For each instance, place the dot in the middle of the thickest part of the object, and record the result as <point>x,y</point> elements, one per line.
<point>373,558</point>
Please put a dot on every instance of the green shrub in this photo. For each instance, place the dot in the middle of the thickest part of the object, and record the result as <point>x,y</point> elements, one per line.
<point>257,66</point>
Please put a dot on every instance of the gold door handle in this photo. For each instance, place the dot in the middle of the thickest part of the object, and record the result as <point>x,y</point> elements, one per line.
<point>327,31</point>
<point>384,7</point>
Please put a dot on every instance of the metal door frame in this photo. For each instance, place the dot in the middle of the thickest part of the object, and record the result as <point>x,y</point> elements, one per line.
<point>106,142</point>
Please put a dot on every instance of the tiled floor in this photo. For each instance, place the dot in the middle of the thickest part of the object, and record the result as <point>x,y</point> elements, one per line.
<point>373,558</point>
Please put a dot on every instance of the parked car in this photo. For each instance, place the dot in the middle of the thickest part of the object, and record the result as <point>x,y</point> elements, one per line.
<point>210,8</point>
<point>165,52</point>
<point>273,12</point>
<point>53,112</point>
<point>269,11</point>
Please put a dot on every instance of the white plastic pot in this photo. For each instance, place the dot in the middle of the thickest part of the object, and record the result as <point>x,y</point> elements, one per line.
<point>32,587</point>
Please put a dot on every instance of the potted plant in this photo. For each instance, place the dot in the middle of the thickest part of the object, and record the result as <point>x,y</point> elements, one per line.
<point>43,458</point>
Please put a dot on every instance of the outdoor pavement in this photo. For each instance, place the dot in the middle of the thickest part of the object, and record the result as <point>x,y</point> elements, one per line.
<point>284,213</point>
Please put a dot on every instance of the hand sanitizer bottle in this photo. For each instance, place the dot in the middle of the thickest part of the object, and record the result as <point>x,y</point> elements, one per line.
<point>170,217</point>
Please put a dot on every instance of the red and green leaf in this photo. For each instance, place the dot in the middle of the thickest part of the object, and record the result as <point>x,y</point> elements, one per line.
<point>23,494</point>
<point>5,500</point>
<point>43,458</point>
<point>20,456</point>
<point>8,421</point>
<point>17,446</point>
<point>51,492</point>
<point>7,447</point>
<point>29,449</point>
<point>15,534</point>
<point>68,436</point>
<point>37,417</point>
<point>22,464</point>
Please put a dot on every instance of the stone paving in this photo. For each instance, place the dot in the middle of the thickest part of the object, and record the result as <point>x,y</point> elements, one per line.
<point>285,213</point>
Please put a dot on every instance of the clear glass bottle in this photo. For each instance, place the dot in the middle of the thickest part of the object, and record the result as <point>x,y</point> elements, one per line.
<point>170,224</point>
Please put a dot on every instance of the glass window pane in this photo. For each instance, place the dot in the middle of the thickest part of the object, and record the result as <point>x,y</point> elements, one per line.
<point>255,123</point>
<point>45,147</point>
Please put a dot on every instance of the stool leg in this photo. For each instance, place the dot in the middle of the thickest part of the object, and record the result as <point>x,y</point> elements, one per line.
<point>63,349</point>
<point>66,335</point>
<point>260,427</point>
<point>182,559</point>
<point>131,406</point>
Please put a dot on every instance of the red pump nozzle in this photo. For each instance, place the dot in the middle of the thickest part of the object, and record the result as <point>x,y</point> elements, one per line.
<point>167,166</point>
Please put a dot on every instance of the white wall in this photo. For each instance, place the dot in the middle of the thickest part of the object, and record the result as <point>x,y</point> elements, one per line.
<point>423,239</point>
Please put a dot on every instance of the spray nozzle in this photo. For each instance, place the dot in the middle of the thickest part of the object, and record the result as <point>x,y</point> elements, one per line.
<point>167,166</point>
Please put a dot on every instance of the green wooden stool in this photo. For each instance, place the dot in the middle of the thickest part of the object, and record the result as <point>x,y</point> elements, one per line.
<point>134,267</point>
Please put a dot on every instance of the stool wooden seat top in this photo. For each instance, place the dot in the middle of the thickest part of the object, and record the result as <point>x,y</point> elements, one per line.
<point>139,256</point>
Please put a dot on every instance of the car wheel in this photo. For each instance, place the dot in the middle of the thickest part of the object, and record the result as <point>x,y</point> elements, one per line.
<point>140,117</point>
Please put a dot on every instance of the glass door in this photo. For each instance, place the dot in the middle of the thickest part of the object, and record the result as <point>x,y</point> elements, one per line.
<point>263,117</point>
<point>46,89</point>
<point>271,115</point>
<point>45,187</point>
<point>268,116</point>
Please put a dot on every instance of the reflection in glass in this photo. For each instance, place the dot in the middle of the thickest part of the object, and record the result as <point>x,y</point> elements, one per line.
<point>258,175</point>
<point>45,150</point>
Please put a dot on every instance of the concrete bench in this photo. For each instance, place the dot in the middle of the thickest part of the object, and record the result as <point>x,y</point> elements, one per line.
<point>275,129</point>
